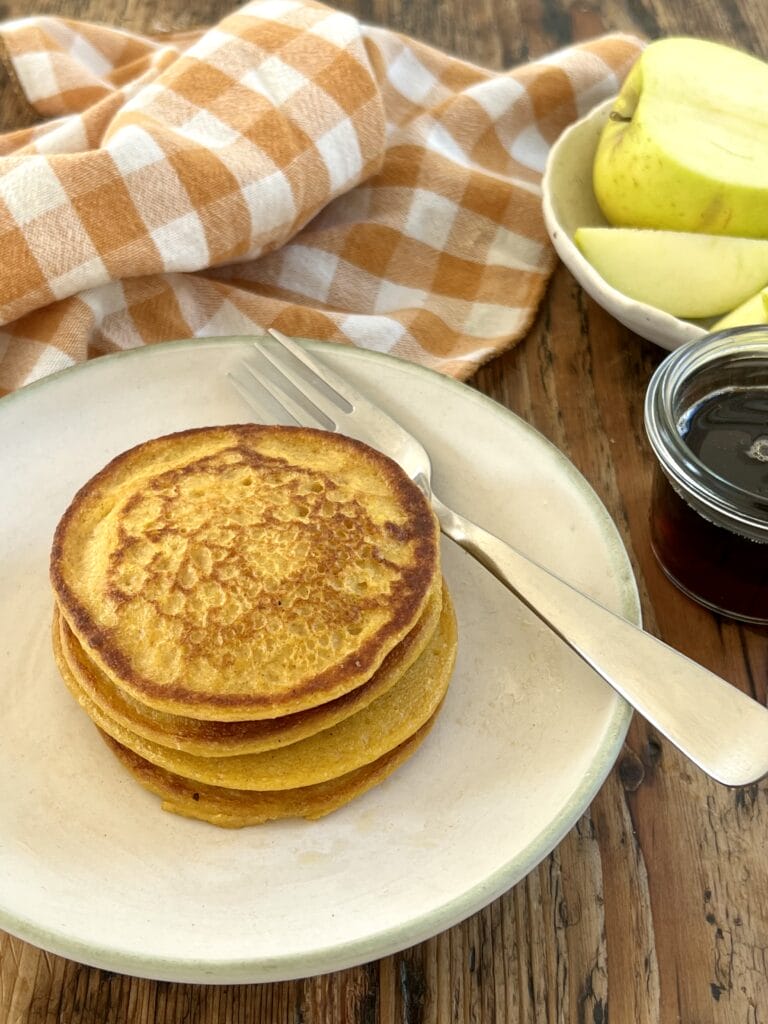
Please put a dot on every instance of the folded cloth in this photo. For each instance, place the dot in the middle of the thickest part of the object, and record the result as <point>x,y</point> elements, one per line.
<point>290,167</point>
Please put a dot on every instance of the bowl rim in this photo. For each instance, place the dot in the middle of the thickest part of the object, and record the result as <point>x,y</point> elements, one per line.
<point>673,330</point>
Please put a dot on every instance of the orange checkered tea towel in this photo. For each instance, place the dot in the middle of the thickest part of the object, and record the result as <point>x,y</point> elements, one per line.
<point>290,167</point>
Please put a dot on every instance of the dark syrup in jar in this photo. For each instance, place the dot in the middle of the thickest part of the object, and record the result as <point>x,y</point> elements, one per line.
<point>728,572</point>
<point>729,433</point>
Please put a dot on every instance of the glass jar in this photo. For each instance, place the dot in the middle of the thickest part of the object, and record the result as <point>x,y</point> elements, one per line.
<point>709,526</point>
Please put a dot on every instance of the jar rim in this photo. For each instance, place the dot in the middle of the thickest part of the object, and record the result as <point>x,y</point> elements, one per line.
<point>719,499</point>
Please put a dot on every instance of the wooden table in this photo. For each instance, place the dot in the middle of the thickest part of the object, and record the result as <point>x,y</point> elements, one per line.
<point>655,906</point>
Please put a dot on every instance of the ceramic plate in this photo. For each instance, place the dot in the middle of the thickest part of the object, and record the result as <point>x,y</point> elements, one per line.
<point>569,203</point>
<point>91,868</point>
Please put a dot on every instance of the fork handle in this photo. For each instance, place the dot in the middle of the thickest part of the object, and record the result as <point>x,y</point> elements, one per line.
<point>717,726</point>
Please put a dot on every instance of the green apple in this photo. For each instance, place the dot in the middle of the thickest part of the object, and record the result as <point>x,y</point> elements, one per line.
<point>685,147</point>
<point>753,311</point>
<point>683,273</point>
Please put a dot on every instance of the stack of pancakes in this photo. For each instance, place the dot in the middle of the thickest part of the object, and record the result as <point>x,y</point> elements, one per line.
<point>254,617</point>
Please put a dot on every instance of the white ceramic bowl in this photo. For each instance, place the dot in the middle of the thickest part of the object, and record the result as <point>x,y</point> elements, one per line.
<point>569,203</point>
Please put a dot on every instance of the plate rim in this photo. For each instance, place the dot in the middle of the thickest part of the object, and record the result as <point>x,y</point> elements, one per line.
<point>343,955</point>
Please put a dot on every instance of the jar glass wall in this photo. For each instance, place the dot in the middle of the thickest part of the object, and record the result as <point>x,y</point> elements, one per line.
<point>709,526</point>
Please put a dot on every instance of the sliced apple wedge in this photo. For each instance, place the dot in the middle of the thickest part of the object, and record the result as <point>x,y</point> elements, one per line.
<point>683,273</point>
<point>753,311</point>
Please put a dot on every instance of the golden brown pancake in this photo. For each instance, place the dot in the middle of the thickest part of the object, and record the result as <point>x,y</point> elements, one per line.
<point>210,739</point>
<point>244,572</point>
<point>236,808</point>
<point>358,740</point>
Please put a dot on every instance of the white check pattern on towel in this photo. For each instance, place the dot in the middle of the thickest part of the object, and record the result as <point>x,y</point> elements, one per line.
<point>290,167</point>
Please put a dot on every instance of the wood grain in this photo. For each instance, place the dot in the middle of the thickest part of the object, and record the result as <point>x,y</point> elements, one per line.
<point>655,907</point>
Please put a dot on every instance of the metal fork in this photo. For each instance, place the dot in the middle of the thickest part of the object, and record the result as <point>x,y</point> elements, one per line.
<point>714,724</point>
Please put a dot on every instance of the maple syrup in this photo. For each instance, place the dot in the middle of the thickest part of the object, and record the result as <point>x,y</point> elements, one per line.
<point>707,421</point>
<point>729,433</point>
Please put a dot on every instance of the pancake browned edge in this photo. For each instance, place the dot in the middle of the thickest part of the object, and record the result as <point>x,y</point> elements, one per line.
<point>222,739</point>
<point>350,744</point>
<point>244,572</point>
<point>232,808</point>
